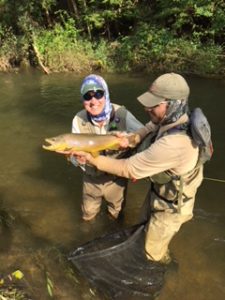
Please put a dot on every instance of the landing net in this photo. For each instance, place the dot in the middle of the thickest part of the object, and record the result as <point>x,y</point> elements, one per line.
<point>116,265</point>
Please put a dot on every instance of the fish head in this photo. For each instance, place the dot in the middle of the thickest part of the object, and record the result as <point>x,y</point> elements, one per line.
<point>57,143</point>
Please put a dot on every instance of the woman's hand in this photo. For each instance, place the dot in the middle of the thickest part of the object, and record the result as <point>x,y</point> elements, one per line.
<point>82,157</point>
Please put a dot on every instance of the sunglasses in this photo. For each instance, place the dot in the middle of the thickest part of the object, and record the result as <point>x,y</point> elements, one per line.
<point>151,107</point>
<point>91,94</point>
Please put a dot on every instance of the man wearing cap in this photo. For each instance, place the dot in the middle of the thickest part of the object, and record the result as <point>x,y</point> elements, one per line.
<point>100,116</point>
<point>170,163</point>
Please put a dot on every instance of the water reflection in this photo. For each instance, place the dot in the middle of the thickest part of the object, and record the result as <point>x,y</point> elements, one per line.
<point>43,192</point>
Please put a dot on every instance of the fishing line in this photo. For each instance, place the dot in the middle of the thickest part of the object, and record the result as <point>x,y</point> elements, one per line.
<point>214,179</point>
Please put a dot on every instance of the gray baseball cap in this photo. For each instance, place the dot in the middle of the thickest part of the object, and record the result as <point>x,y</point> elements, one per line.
<point>91,87</point>
<point>167,86</point>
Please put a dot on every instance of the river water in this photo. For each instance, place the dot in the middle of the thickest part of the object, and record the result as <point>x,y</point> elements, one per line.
<point>41,191</point>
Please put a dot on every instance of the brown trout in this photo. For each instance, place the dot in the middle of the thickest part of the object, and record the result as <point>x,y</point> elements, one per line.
<point>92,143</point>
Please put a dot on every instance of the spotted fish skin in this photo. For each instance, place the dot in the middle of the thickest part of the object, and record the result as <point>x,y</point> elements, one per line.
<point>92,143</point>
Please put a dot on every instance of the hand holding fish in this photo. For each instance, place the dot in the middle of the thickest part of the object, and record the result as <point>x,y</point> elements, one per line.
<point>124,139</point>
<point>91,143</point>
<point>83,157</point>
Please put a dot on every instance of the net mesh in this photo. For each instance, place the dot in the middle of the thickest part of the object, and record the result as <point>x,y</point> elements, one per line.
<point>116,265</point>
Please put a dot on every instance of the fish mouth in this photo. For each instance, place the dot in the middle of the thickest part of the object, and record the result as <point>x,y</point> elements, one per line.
<point>49,145</point>
<point>53,145</point>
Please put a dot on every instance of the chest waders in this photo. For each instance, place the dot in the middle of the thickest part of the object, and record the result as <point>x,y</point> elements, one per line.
<point>116,263</point>
<point>178,181</point>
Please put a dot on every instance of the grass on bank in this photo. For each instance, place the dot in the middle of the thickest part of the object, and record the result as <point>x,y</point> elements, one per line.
<point>62,49</point>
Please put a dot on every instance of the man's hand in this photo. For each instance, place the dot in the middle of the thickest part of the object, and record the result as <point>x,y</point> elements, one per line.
<point>127,139</point>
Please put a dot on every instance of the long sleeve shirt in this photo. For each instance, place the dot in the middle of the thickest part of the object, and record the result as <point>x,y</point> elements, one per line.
<point>174,152</point>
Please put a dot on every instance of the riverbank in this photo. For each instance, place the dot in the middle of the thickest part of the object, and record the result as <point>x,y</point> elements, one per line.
<point>59,51</point>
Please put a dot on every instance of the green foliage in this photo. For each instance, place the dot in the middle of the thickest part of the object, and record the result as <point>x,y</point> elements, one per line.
<point>12,293</point>
<point>147,44</point>
<point>7,39</point>
<point>203,18</point>
<point>9,54</point>
<point>96,19</point>
<point>49,284</point>
<point>108,18</point>
<point>152,48</point>
<point>62,49</point>
<point>58,38</point>
<point>102,51</point>
<point>114,35</point>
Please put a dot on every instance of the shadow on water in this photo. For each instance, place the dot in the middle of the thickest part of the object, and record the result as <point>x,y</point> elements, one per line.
<point>41,263</point>
<point>42,192</point>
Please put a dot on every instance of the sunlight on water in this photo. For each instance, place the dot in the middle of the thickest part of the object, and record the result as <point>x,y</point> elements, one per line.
<point>42,191</point>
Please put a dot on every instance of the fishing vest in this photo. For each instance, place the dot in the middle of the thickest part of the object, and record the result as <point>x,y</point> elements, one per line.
<point>170,187</point>
<point>117,122</point>
<point>199,130</point>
